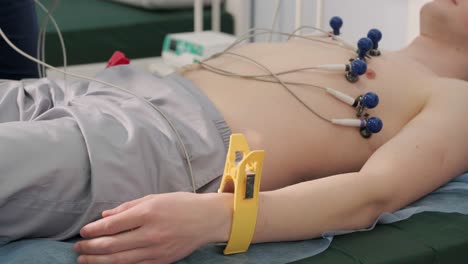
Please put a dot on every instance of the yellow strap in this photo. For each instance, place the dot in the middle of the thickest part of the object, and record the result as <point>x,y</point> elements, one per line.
<point>245,175</point>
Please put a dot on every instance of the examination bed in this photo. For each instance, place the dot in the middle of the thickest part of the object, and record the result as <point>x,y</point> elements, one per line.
<point>424,237</point>
<point>94,29</point>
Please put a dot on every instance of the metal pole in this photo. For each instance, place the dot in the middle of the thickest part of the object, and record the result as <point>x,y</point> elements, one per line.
<point>198,15</point>
<point>298,23</point>
<point>216,15</point>
<point>319,13</point>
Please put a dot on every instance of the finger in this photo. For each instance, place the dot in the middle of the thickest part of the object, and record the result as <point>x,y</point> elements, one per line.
<point>131,256</point>
<point>124,206</point>
<point>114,224</point>
<point>112,244</point>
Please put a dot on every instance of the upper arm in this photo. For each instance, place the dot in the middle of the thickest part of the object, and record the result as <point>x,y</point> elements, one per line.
<point>428,152</point>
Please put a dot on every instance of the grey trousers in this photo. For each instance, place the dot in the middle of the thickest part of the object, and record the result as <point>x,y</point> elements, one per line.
<point>68,154</point>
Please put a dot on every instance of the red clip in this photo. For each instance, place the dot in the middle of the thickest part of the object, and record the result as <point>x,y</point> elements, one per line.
<point>118,58</point>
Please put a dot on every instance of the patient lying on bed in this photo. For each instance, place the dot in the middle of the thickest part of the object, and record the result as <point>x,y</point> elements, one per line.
<point>94,148</point>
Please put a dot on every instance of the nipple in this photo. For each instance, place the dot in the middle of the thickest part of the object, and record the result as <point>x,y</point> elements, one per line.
<point>370,74</point>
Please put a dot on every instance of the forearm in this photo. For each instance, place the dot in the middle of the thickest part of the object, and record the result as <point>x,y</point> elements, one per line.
<point>308,209</point>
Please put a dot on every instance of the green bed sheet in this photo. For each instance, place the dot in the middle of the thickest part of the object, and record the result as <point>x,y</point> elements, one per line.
<point>426,238</point>
<point>94,29</point>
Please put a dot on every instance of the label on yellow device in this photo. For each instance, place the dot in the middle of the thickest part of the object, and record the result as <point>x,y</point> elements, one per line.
<point>244,169</point>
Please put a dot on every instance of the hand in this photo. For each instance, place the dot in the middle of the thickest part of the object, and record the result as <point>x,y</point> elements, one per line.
<point>156,229</point>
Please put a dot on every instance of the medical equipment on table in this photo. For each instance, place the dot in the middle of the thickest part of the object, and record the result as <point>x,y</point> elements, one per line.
<point>187,48</point>
<point>181,49</point>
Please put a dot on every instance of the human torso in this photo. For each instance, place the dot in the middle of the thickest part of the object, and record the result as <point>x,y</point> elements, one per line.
<point>300,146</point>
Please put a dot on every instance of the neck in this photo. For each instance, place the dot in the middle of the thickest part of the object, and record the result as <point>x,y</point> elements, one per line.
<point>444,60</point>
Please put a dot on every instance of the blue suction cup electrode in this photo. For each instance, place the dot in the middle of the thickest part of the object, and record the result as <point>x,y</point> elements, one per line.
<point>376,36</point>
<point>373,125</point>
<point>370,100</point>
<point>356,69</point>
<point>336,23</point>
<point>364,46</point>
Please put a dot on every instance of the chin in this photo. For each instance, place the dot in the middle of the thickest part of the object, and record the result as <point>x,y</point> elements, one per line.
<point>436,17</point>
<point>445,20</point>
<point>447,2</point>
<point>436,7</point>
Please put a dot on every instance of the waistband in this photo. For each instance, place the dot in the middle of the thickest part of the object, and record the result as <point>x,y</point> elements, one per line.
<point>215,115</point>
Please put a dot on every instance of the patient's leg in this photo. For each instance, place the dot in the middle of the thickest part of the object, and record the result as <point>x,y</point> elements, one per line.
<point>58,162</point>
<point>100,149</point>
<point>75,160</point>
<point>44,178</point>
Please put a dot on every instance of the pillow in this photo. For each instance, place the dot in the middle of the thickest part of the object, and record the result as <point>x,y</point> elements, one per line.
<point>160,4</point>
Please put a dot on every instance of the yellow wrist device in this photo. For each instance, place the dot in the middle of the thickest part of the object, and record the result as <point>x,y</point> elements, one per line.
<point>244,169</point>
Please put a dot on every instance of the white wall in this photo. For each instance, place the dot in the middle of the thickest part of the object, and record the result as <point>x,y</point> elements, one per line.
<point>265,9</point>
<point>397,19</point>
